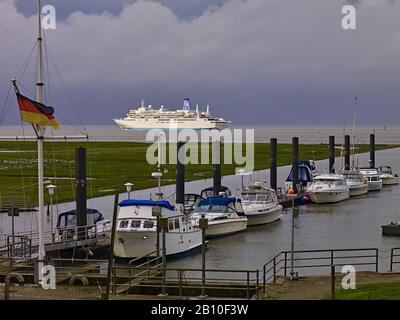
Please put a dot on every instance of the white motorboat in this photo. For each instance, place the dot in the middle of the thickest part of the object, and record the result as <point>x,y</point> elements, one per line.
<point>358,185</point>
<point>387,176</point>
<point>225,215</point>
<point>374,180</point>
<point>260,205</point>
<point>328,188</point>
<point>136,230</point>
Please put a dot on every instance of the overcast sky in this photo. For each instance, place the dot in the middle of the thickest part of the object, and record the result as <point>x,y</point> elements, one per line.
<point>272,62</point>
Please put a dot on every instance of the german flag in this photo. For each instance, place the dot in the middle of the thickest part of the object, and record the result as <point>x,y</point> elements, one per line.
<point>35,112</point>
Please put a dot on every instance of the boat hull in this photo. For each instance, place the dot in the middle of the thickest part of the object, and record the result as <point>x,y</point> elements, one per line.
<point>144,125</point>
<point>387,181</point>
<point>374,185</point>
<point>220,228</point>
<point>358,190</point>
<point>263,216</point>
<point>328,196</point>
<point>138,244</point>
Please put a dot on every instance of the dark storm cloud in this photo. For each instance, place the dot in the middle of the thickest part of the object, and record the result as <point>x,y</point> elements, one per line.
<point>254,61</point>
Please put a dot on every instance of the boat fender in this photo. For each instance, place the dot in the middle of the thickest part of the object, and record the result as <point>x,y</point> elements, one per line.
<point>84,281</point>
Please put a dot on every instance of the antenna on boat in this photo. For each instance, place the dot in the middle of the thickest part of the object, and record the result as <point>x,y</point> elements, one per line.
<point>354,131</point>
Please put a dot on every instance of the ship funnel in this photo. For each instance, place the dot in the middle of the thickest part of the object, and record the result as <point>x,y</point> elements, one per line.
<point>208,110</point>
<point>197,108</point>
<point>186,104</point>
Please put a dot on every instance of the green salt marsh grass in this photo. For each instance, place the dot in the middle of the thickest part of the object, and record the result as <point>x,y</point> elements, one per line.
<point>111,164</point>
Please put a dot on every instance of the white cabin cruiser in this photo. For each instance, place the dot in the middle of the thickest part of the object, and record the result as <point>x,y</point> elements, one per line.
<point>387,176</point>
<point>374,180</point>
<point>328,188</point>
<point>358,185</point>
<point>136,230</point>
<point>225,215</point>
<point>260,205</point>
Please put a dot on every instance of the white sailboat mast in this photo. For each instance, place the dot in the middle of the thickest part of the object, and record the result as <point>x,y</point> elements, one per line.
<point>40,135</point>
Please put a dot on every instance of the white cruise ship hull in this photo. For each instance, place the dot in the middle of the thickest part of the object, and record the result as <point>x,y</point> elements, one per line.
<point>328,196</point>
<point>134,244</point>
<point>219,228</point>
<point>258,215</point>
<point>143,124</point>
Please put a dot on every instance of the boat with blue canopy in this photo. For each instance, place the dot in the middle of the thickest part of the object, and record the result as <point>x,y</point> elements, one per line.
<point>225,215</point>
<point>136,229</point>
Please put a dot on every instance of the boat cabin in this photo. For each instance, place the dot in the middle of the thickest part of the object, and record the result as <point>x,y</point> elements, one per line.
<point>209,192</point>
<point>385,170</point>
<point>259,196</point>
<point>137,216</point>
<point>191,200</point>
<point>220,205</point>
<point>68,219</point>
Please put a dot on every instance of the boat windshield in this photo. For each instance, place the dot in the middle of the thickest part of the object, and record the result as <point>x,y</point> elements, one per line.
<point>329,181</point>
<point>385,170</point>
<point>212,208</point>
<point>353,177</point>
<point>259,197</point>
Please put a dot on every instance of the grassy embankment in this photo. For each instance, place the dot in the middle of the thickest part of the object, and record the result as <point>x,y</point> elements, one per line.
<point>111,164</point>
<point>375,291</point>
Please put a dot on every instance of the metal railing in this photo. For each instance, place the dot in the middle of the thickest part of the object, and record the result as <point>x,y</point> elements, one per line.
<point>281,264</point>
<point>394,254</point>
<point>58,236</point>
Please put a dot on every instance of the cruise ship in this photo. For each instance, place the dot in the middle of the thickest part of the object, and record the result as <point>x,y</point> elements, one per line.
<point>162,118</point>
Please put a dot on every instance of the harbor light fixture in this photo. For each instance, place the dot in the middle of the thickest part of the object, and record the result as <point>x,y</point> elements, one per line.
<point>128,186</point>
<point>157,175</point>
<point>51,188</point>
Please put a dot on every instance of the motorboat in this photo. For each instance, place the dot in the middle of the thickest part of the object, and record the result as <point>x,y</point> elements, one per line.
<point>374,180</point>
<point>136,229</point>
<point>358,185</point>
<point>260,204</point>
<point>96,227</point>
<point>392,229</point>
<point>328,188</point>
<point>225,215</point>
<point>387,176</point>
<point>305,176</point>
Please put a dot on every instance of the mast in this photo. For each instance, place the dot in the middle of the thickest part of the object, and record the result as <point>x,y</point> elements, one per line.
<point>40,135</point>
<point>354,133</point>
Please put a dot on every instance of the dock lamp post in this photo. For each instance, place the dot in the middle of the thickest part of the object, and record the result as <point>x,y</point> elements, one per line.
<point>157,212</point>
<point>128,186</point>
<point>157,175</point>
<point>203,223</point>
<point>164,228</point>
<point>51,188</point>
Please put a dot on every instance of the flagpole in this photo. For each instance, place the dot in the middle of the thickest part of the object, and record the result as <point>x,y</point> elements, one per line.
<point>40,135</point>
